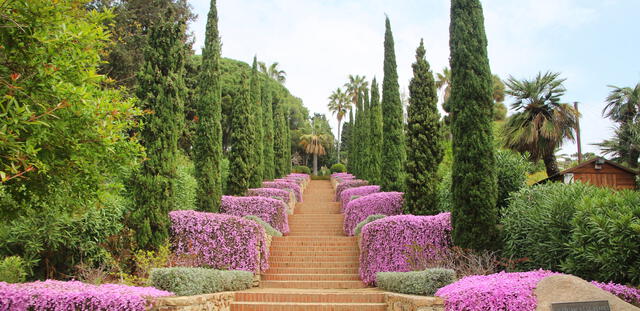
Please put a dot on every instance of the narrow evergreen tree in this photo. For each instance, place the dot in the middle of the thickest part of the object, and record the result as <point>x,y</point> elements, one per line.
<point>348,136</point>
<point>365,135</point>
<point>474,184</point>
<point>375,135</point>
<point>393,143</point>
<point>161,89</point>
<point>356,142</point>
<point>256,129</point>
<point>240,156</point>
<point>207,145</point>
<point>267,125</point>
<point>286,160</point>
<point>280,136</point>
<point>424,140</point>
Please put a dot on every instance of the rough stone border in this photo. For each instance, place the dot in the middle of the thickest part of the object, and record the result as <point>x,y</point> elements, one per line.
<point>216,301</point>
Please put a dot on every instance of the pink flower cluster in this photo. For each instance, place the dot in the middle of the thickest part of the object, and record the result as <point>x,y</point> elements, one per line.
<point>73,295</point>
<point>341,177</point>
<point>346,195</point>
<point>219,241</point>
<point>300,175</point>
<point>272,211</point>
<point>282,194</point>
<point>290,185</point>
<point>386,203</point>
<point>626,293</point>
<point>385,242</point>
<point>349,184</point>
<point>499,291</point>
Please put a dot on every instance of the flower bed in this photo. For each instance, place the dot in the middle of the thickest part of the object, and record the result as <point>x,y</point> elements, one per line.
<point>386,203</point>
<point>73,295</point>
<point>380,253</point>
<point>626,293</point>
<point>290,185</point>
<point>219,241</point>
<point>347,194</point>
<point>349,184</point>
<point>271,210</point>
<point>273,193</point>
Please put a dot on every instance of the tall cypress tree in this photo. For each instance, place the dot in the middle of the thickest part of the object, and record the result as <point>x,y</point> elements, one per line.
<point>375,135</point>
<point>365,135</point>
<point>474,184</point>
<point>347,133</point>
<point>424,140</point>
<point>267,125</point>
<point>393,143</point>
<point>280,135</point>
<point>207,145</point>
<point>161,89</point>
<point>356,141</point>
<point>286,160</point>
<point>240,157</point>
<point>256,128</point>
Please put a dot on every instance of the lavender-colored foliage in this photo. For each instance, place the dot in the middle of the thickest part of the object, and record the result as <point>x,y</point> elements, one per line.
<point>349,184</point>
<point>385,203</point>
<point>362,191</point>
<point>384,242</point>
<point>52,295</point>
<point>272,211</point>
<point>219,241</point>
<point>282,194</point>
<point>290,185</point>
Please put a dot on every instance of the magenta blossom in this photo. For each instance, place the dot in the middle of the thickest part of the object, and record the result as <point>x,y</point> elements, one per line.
<point>348,194</point>
<point>287,185</point>
<point>272,211</point>
<point>385,203</point>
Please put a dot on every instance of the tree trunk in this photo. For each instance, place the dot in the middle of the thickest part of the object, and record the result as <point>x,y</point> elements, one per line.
<point>551,164</point>
<point>339,142</point>
<point>315,164</point>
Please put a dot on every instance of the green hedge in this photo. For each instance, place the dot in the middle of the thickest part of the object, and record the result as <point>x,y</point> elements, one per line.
<point>301,169</point>
<point>338,168</point>
<point>367,220</point>
<point>425,282</point>
<point>185,281</point>
<point>267,227</point>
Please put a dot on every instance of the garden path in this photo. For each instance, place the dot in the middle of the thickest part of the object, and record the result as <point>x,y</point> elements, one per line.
<point>314,267</point>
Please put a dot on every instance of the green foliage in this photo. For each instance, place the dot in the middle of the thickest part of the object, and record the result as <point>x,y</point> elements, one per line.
<point>424,141</point>
<point>512,171</point>
<point>604,244</point>
<point>301,169</point>
<point>281,141</point>
<point>184,281</point>
<point>338,168</point>
<point>267,227</point>
<point>12,270</point>
<point>186,185</point>
<point>474,183</point>
<point>370,218</point>
<point>255,127</point>
<point>393,146</point>
<point>207,147</point>
<point>375,135</point>
<point>145,262</point>
<point>425,282</point>
<point>240,156</point>
<point>267,124</point>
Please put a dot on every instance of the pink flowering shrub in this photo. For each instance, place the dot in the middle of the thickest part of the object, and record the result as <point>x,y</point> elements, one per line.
<point>349,184</point>
<point>285,185</point>
<point>54,295</point>
<point>282,194</point>
<point>272,211</point>
<point>626,293</point>
<point>499,291</point>
<point>347,194</point>
<point>385,203</point>
<point>219,241</point>
<point>385,241</point>
<point>301,175</point>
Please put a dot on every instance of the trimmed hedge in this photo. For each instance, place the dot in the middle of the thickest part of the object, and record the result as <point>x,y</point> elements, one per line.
<point>338,168</point>
<point>348,194</point>
<point>286,185</point>
<point>357,210</point>
<point>425,282</point>
<point>345,184</point>
<point>301,169</point>
<point>370,218</point>
<point>267,227</point>
<point>187,281</point>
<point>280,194</point>
<point>273,211</point>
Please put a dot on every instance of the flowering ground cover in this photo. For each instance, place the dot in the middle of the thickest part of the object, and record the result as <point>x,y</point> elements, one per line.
<point>349,184</point>
<point>272,211</point>
<point>270,193</point>
<point>293,186</point>
<point>386,203</point>
<point>626,293</point>
<point>347,194</point>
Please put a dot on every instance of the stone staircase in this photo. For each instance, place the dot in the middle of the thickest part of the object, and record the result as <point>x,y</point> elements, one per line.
<point>315,267</point>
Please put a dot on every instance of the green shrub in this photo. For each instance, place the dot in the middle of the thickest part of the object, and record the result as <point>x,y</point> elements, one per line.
<point>185,185</point>
<point>370,218</point>
<point>512,171</point>
<point>12,270</point>
<point>605,241</point>
<point>324,171</point>
<point>537,223</point>
<point>267,227</point>
<point>301,169</point>
<point>425,282</point>
<point>338,168</point>
<point>320,177</point>
<point>184,281</point>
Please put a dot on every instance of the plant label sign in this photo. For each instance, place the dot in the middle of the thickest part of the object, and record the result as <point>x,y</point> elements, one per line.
<point>601,305</point>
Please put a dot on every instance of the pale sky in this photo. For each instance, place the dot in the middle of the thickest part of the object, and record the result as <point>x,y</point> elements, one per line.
<point>318,43</point>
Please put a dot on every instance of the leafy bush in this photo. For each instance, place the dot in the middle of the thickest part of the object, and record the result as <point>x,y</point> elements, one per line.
<point>301,169</point>
<point>324,171</point>
<point>267,227</point>
<point>287,185</point>
<point>538,223</point>
<point>425,282</point>
<point>184,281</point>
<point>12,270</point>
<point>604,243</point>
<point>357,210</point>
<point>338,168</point>
<point>271,210</point>
<point>370,218</point>
<point>320,177</point>
<point>347,195</point>
<point>185,185</point>
<point>512,171</point>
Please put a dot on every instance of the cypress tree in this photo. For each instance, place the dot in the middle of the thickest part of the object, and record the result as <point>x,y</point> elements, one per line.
<point>393,143</point>
<point>424,140</point>
<point>267,125</point>
<point>256,129</point>
<point>286,160</point>
<point>280,136</point>
<point>161,89</point>
<point>375,135</point>
<point>348,135</point>
<point>356,141</point>
<point>474,184</point>
<point>207,145</point>
<point>365,135</point>
<point>240,157</point>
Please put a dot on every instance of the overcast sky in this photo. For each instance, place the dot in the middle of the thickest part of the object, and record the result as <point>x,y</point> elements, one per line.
<point>318,43</point>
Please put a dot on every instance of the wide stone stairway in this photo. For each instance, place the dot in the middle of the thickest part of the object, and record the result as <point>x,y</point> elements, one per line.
<point>314,267</point>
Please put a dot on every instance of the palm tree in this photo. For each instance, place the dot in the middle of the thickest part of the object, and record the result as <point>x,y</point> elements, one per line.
<point>314,144</point>
<point>274,72</point>
<point>443,83</point>
<point>356,86</point>
<point>339,105</point>
<point>623,104</point>
<point>540,123</point>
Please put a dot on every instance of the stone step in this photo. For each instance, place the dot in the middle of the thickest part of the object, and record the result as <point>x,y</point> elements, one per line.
<point>313,284</point>
<point>285,270</point>
<point>293,248</point>
<point>275,259</point>
<point>315,238</point>
<point>314,243</point>
<point>311,296</point>
<point>293,253</point>
<point>310,277</point>
<point>300,264</point>
<point>301,306</point>
<point>319,232</point>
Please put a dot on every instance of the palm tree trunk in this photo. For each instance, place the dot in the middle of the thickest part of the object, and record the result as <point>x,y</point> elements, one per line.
<point>315,164</point>
<point>339,142</point>
<point>551,164</point>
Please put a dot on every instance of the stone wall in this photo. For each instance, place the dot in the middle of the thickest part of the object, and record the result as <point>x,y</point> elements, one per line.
<point>401,302</point>
<point>209,302</point>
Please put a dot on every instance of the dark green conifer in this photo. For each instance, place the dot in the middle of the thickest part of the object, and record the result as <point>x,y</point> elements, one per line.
<point>474,184</point>
<point>256,129</point>
<point>240,156</point>
<point>365,136</point>
<point>424,140</point>
<point>393,144</point>
<point>207,145</point>
<point>356,141</point>
<point>348,135</point>
<point>280,142</point>
<point>161,91</point>
<point>375,135</point>
<point>267,125</point>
